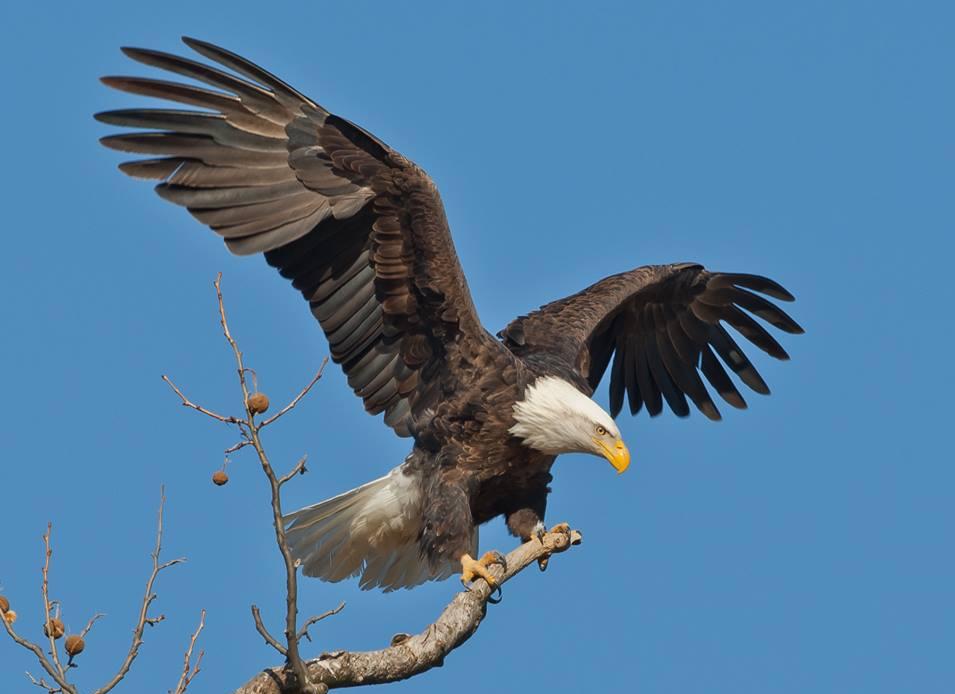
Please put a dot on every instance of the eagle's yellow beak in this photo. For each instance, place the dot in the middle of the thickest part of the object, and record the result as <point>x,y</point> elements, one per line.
<point>616,453</point>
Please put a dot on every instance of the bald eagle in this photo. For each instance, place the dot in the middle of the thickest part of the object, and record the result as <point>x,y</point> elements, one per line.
<point>361,232</point>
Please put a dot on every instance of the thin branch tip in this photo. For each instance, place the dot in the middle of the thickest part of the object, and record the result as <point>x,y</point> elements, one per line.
<point>190,670</point>
<point>149,596</point>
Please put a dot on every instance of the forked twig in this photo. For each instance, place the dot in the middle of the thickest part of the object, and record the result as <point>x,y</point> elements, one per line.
<point>147,601</point>
<point>303,632</point>
<point>186,402</point>
<point>288,408</point>
<point>43,684</point>
<point>189,671</point>
<point>299,469</point>
<point>89,624</point>
<point>260,627</point>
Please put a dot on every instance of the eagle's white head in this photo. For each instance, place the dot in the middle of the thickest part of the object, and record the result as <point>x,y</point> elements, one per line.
<point>554,417</point>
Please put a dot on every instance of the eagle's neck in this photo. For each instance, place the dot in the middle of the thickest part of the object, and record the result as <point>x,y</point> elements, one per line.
<point>555,417</point>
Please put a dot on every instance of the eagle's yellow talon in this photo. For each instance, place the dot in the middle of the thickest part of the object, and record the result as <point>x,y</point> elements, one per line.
<point>478,568</point>
<point>561,528</point>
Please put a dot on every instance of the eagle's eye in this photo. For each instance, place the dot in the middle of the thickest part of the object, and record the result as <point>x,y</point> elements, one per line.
<point>601,431</point>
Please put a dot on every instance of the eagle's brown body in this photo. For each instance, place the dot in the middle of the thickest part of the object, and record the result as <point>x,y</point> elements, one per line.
<point>362,234</point>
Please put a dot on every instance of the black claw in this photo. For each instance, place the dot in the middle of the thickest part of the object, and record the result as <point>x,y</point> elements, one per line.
<point>498,558</point>
<point>500,595</point>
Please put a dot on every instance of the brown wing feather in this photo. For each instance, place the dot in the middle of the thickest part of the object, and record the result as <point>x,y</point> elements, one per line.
<point>359,229</point>
<point>661,325</point>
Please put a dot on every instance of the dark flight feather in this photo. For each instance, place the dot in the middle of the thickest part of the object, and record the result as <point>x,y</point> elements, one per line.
<point>355,226</point>
<point>663,322</point>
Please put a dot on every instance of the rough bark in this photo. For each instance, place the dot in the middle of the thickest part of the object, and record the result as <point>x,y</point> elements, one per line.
<point>412,655</point>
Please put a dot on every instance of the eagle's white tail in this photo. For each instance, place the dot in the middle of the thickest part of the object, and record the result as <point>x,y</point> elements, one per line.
<point>371,530</point>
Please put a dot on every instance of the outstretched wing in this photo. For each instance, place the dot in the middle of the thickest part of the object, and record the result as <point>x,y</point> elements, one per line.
<point>359,229</point>
<point>661,324</point>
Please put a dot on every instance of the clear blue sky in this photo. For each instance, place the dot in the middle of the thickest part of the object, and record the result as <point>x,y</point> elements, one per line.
<point>802,545</point>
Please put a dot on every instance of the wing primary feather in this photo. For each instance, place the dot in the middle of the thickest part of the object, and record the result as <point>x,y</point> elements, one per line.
<point>215,125</point>
<point>719,379</point>
<point>674,397</point>
<point>734,357</point>
<point>618,382</point>
<point>630,351</point>
<point>261,100</point>
<point>154,169</point>
<point>754,332</point>
<point>684,374</point>
<point>758,283</point>
<point>684,346</point>
<point>174,91</point>
<point>649,391</point>
<point>706,312</point>
<point>766,310</point>
<point>193,146</point>
<point>246,68</point>
<point>238,114</point>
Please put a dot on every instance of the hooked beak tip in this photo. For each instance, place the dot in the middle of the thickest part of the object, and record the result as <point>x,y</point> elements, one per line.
<point>619,457</point>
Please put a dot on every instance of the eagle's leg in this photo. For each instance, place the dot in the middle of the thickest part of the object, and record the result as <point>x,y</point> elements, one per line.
<point>526,521</point>
<point>478,568</point>
<point>449,529</point>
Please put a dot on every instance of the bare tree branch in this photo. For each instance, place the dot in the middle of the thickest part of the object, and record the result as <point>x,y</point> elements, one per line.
<point>45,590</point>
<point>89,624</point>
<point>269,639</point>
<point>148,599</point>
<point>295,664</point>
<point>315,379</point>
<point>43,684</point>
<point>238,446</point>
<point>52,664</point>
<point>64,686</point>
<point>186,402</point>
<point>303,632</point>
<point>421,652</point>
<point>299,469</point>
<point>54,669</point>
<point>189,671</point>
